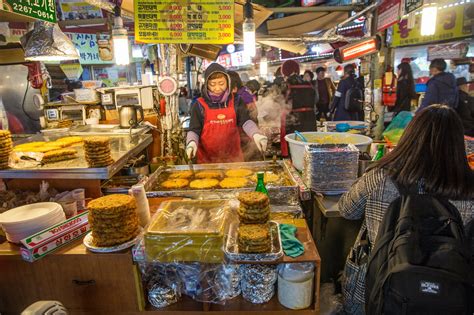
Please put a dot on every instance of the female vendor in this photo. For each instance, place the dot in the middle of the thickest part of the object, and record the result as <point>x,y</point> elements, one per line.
<point>213,134</point>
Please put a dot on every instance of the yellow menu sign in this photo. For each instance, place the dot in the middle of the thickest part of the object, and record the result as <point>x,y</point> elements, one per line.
<point>453,22</point>
<point>184,21</point>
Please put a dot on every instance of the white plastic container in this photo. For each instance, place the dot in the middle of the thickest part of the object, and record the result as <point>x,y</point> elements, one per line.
<point>297,146</point>
<point>295,285</point>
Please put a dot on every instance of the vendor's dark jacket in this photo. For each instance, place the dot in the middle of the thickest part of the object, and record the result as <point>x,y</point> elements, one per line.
<point>466,112</point>
<point>441,89</point>
<point>339,98</point>
<point>197,111</point>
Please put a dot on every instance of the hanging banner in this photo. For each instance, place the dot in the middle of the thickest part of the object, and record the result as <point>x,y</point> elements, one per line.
<point>388,14</point>
<point>412,5</point>
<point>38,9</point>
<point>89,49</point>
<point>77,10</point>
<point>454,22</point>
<point>184,21</point>
<point>456,50</point>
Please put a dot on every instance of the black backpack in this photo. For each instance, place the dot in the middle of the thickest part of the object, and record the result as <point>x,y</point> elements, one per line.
<point>354,101</point>
<point>420,261</point>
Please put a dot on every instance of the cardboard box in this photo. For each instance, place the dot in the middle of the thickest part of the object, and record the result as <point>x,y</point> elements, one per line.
<point>44,242</point>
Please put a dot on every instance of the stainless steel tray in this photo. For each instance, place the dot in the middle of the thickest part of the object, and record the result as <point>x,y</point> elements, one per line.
<point>279,195</point>
<point>232,253</point>
<point>122,147</point>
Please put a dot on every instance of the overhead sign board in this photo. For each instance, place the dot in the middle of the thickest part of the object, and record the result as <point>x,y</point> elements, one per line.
<point>412,5</point>
<point>453,22</point>
<point>38,9</point>
<point>388,14</point>
<point>184,22</point>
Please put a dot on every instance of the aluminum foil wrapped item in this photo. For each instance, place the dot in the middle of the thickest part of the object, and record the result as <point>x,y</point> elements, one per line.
<point>229,277</point>
<point>258,282</point>
<point>161,295</point>
<point>330,168</point>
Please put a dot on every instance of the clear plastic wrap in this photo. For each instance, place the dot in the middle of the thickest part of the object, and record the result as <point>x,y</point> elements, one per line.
<point>188,231</point>
<point>330,168</point>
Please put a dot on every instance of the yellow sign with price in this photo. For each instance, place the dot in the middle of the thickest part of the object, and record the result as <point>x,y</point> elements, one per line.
<point>184,21</point>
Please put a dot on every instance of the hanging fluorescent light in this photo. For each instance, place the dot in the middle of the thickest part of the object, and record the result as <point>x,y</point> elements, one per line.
<point>428,20</point>
<point>248,28</point>
<point>120,39</point>
<point>46,42</point>
<point>263,65</point>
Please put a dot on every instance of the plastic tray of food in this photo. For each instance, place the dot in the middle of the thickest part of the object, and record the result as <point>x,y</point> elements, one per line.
<point>188,230</point>
<point>233,254</point>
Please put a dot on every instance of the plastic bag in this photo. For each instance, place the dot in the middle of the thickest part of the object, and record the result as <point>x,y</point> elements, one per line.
<point>395,130</point>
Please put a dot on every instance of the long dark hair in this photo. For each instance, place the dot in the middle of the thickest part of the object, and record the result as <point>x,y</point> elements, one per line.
<point>432,149</point>
<point>407,74</point>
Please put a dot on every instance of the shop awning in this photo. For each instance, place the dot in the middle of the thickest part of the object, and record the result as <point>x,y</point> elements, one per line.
<point>305,23</point>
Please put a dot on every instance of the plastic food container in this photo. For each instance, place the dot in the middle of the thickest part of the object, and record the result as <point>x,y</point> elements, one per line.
<point>188,231</point>
<point>297,147</point>
<point>295,285</point>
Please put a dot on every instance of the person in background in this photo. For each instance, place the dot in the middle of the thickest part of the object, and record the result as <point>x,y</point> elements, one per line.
<point>326,90</point>
<point>431,156</point>
<point>348,81</point>
<point>405,89</point>
<point>465,107</point>
<point>441,88</point>
<point>308,76</point>
<point>244,93</point>
<point>183,101</point>
<point>216,117</point>
<point>254,87</point>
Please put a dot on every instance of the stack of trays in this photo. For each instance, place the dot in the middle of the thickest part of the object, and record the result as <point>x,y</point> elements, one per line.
<point>21,222</point>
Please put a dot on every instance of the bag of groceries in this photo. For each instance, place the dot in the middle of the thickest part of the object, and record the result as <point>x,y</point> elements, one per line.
<point>395,130</point>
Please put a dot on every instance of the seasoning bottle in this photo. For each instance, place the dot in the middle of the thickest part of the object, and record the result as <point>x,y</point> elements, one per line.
<point>379,153</point>
<point>260,183</point>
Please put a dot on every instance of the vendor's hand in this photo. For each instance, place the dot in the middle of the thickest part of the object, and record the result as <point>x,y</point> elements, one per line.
<point>191,149</point>
<point>261,141</point>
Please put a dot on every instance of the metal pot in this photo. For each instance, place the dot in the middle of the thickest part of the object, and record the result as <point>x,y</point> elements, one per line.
<point>129,117</point>
<point>137,170</point>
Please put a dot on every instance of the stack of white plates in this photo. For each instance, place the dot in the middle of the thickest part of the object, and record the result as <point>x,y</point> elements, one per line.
<point>19,223</point>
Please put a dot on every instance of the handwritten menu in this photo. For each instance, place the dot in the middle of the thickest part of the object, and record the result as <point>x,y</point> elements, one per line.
<point>184,21</point>
<point>39,9</point>
<point>88,48</point>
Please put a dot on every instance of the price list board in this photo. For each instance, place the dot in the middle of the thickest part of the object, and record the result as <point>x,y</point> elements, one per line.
<point>185,21</point>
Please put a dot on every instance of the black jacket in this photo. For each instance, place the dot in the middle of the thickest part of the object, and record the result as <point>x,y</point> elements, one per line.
<point>405,93</point>
<point>466,112</point>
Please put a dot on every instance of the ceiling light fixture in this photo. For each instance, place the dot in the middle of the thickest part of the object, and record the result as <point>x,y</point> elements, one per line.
<point>248,28</point>
<point>428,20</point>
<point>120,40</point>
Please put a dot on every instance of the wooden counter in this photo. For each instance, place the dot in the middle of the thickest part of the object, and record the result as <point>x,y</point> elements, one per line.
<point>94,283</point>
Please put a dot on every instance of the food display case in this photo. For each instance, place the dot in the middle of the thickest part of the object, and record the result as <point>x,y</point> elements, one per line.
<point>122,148</point>
<point>286,189</point>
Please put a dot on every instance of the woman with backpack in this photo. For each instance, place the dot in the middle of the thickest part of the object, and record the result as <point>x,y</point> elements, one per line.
<point>405,89</point>
<point>348,103</point>
<point>428,165</point>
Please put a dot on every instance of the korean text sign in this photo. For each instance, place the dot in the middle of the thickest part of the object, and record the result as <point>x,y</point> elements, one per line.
<point>39,9</point>
<point>184,21</point>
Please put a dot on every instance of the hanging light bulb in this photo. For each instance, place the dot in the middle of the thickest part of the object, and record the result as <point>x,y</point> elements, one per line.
<point>263,65</point>
<point>248,28</point>
<point>120,39</point>
<point>428,20</point>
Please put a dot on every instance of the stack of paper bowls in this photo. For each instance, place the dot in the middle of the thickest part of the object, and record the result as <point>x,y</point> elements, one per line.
<point>19,223</point>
